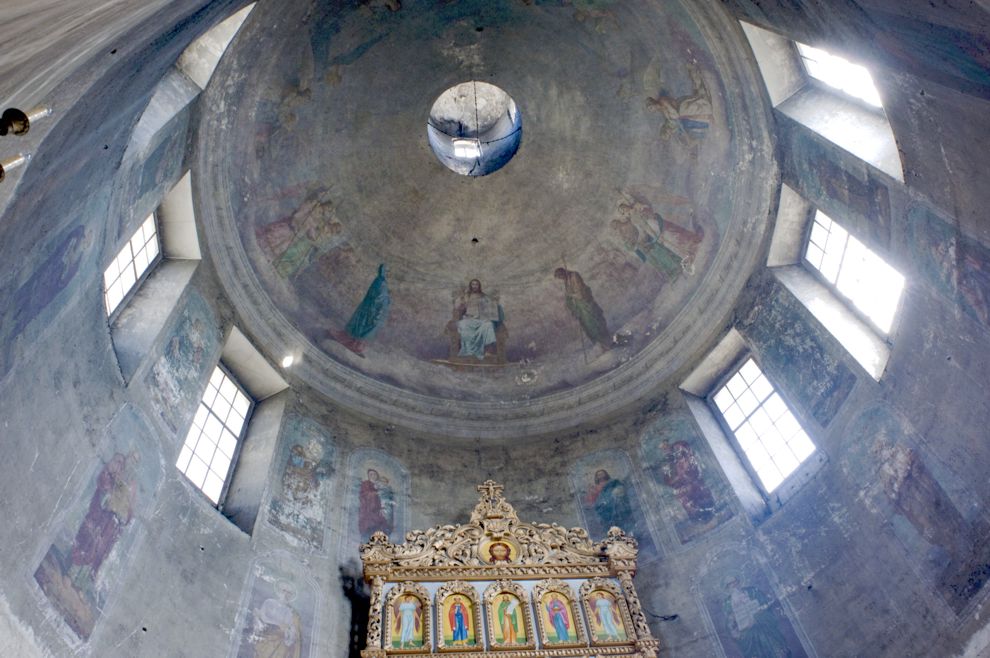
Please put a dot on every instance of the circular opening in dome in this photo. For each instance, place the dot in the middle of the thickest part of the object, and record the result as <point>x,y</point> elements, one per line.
<point>474,128</point>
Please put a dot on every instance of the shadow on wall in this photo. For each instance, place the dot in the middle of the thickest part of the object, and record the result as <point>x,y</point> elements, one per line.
<point>352,583</point>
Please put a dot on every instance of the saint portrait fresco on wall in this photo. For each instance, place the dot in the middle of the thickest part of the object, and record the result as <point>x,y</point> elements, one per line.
<point>378,496</point>
<point>88,555</point>
<point>693,493</point>
<point>748,618</point>
<point>608,496</point>
<point>299,499</point>
<point>278,618</point>
<point>177,379</point>
<point>941,528</point>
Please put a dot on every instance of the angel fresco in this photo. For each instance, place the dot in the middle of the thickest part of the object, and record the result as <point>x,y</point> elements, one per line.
<point>408,615</point>
<point>686,117</point>
<point>295,242</point>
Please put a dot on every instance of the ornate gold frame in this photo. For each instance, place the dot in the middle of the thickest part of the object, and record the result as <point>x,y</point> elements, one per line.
<point>627,623</point>
<point>420,592</point>
<point>467,590</point>
<point>491,593</point>
<point>559,586</point>
<point>449,554</point>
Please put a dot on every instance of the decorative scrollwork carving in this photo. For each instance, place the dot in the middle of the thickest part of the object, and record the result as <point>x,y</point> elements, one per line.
<point>496,546</point>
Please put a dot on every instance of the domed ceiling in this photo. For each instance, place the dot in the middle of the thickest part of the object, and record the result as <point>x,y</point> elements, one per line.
<point>604,253</point>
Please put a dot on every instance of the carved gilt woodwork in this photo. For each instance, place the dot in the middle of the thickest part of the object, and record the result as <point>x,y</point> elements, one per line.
<point>506,556</point>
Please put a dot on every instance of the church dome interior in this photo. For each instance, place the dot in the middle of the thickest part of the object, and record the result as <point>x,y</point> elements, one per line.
<point>280,276</point>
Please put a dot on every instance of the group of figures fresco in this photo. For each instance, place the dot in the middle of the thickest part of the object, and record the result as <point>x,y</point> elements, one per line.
<point>510,614</point>
<point>652,229</point>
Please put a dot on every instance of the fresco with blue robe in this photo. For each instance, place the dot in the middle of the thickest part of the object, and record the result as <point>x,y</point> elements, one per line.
<point>278,617</point>
<point>368,317</point>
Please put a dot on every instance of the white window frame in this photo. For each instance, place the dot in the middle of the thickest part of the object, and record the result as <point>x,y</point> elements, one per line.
<point>232,466</point>
<point>140,277</point>
<point>884,335</point>
<point>808,464</point>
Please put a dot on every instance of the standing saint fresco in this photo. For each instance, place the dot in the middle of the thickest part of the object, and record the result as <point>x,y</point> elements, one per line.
<point>681,472</point>
<point>582,305</point>
<point>753,622</point>
<point>368,317</point>
<point>71,573</point>
<point>376,505</point>
<point>608,497</point>
<point>476,314</point>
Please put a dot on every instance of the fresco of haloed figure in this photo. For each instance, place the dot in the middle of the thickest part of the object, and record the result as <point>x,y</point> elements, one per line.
<point>89,553</point>
<point>279,617</point>
<point>609,496</point>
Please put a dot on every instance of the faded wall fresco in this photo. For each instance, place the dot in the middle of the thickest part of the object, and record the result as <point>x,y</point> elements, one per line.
<point>935,517</point>
<point>304,466</point>
<point>608,495</point>
<point>176,380</point>
<point>63,262</point>
<point>280,614</point>
<point>745,613</point>
<point>859,201</point>
<point>955,266</point>
<point>378,498</point>
<point>793,355</point>
<point>693,494</point>
<point>96,536</point>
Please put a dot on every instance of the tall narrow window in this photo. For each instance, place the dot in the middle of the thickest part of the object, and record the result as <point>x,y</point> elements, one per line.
<point>839,73</point>
<point>131,263</point>
<point>858,274</point>
<point>766,431</point>
<point>212,443</point>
